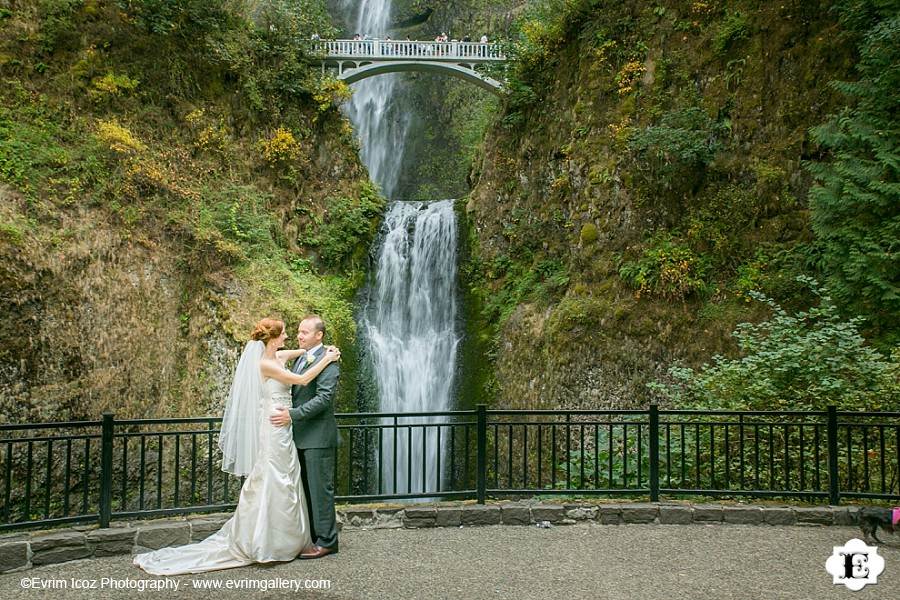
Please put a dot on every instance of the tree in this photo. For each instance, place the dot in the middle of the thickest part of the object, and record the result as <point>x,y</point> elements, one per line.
<point>855,206</point>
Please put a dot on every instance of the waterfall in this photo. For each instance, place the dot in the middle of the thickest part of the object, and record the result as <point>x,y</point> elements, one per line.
<point>409,319</point>
<point>380,125</point>
<point>411,328</point>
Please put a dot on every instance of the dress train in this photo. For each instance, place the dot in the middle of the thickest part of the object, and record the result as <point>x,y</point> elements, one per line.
<point>271,521</point>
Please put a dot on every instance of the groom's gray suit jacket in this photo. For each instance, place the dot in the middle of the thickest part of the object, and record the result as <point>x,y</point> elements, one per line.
<point>313,407</point>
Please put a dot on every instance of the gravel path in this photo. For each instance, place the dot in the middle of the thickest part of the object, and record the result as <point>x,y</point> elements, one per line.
<point>691,562</point>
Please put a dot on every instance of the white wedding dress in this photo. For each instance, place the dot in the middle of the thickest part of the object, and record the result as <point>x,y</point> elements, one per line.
<point>270,523</point>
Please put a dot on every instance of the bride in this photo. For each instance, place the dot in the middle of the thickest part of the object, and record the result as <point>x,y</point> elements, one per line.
<point>270,522</point>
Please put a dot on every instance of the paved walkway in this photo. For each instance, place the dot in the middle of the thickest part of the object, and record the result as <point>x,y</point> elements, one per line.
<point>584,560</point>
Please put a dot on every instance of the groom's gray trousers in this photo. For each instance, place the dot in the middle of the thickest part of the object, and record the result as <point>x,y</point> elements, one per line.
<point>317,471</point>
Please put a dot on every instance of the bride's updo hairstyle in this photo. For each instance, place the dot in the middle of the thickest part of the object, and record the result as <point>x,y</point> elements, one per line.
<point>267,329</point>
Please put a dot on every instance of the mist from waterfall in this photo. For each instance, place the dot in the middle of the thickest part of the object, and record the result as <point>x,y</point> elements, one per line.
<point>380,125</point>
<point>411,328</point>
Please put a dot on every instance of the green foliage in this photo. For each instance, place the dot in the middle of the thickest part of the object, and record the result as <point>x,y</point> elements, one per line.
<point>111,86</point>
<point>554,275</point>
<point>538,34</point>
<point>279,43</point>
<point>751,274</point>
<point>58,23</point>
<point>855,206</point>
<point>805,361</point>
<point>446,129</point>
<point>346,227</point>
<point>517,284</point>
<point>506,282</point>
<point>524,273</point>
<point>190,19</point>
<point>30,140</point>
<point>606,463</point>
<point>128,133</point>
<point>546,26</point>
<point>679,147</point>
<point>520,96</point>
<point>576,312</point>
<point>735,28</point>
<point>525,232</point>
<point>12,233</point>
<point>857,16</point>
<point>668,268</point>
<point>267,50</point>
<point>447,119</point>
<point>234,221</point>
<point>715,226</point>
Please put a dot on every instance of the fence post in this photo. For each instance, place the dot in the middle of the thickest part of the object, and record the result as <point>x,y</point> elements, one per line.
<point>481,474</point>
<point>654,452</point>
<point>834,490</point>
<point>106,456</point>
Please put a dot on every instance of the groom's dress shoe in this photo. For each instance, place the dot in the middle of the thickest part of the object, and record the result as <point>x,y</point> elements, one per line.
<point>316,552</point>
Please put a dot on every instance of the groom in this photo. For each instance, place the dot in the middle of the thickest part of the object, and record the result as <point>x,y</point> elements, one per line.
<point>315,435</point>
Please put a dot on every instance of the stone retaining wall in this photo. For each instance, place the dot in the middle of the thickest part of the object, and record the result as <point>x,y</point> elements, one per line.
<point>20,551</point>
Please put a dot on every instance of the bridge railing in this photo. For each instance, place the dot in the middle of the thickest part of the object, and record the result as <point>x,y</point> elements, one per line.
<point>397,49</point>
<point>98,471</point>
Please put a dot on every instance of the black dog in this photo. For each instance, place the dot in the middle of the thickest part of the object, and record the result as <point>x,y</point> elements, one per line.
<point>871,518</point>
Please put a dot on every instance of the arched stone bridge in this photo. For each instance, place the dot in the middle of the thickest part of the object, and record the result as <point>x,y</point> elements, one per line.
<point>359,59</point>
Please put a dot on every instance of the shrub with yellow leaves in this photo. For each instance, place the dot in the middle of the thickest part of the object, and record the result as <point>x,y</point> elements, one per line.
<point>118,138</point>
<point>282,147</point>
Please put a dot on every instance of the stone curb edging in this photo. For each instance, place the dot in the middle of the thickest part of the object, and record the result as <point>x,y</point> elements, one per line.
<point>21,551</point>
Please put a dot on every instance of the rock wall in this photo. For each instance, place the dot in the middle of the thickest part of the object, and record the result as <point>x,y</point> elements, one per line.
<point>565,196</point>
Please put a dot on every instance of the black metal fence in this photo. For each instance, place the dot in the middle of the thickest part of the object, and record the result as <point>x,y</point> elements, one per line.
<point>58,473</point>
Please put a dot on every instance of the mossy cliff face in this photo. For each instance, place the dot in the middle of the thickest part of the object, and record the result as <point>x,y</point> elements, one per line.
<point>644,175</point>
<point>94,322</point>
<point>159,194</point>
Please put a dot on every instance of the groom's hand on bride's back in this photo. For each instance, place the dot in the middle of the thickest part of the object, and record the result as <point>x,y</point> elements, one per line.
<point>281,417</point>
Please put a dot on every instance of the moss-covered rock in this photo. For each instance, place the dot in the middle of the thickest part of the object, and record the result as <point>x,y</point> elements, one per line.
<point>154,205</point>
<point>628,126</point>
<point>589,233</point>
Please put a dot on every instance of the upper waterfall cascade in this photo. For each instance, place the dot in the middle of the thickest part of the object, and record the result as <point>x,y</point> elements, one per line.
<point>381,124</point>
